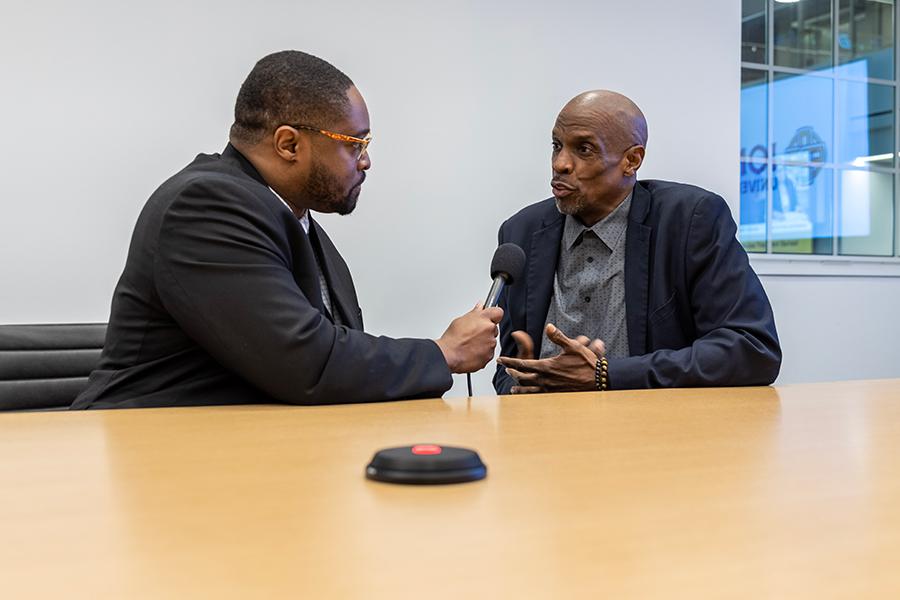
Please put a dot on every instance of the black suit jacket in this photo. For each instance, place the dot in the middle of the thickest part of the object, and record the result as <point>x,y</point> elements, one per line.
<point>697,314</point>
<point>219,303</point>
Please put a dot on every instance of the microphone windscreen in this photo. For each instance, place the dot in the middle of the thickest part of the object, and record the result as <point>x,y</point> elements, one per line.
<point>509,259</point>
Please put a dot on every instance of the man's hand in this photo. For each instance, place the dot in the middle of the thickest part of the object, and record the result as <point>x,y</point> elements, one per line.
<point>570,370</point>
<point>469,342</point>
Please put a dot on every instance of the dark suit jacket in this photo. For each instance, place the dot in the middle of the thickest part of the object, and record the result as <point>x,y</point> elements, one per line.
<point>697,314</point>
<point>219,303</point>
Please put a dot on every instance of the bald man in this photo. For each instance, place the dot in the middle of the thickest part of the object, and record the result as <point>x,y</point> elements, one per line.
<point>629,284</point>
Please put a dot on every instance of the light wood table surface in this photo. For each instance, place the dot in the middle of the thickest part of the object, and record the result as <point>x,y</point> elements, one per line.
<point>790,492</point>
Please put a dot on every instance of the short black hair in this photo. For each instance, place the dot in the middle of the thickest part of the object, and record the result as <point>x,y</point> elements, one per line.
<point>289,87</point>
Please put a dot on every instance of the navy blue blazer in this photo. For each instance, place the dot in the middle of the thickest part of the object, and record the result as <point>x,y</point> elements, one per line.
<point>697,314</point>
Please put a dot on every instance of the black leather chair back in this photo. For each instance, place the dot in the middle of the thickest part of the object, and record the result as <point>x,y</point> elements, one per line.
<point>46,366</point>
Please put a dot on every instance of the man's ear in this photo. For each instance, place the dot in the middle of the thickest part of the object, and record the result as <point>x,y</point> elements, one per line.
<point>289,143</point>
<point>633,159</point>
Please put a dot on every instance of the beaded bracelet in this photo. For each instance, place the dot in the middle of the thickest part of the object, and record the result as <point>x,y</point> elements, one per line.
<point>601,374</point>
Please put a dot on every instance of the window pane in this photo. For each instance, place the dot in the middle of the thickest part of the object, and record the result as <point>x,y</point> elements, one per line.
<point>753,31</point>
<point>866,34</point>
<point>866,224</point>
<point>803,113</point>
<point>754,144</point>
<point>896,228</point>
<point>754,114</point>
<point>753,206</point>
<point>866,124</point>
<point>803,34</point>
<point>802,210</point>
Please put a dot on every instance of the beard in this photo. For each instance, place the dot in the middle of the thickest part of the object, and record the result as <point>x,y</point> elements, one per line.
<point>327,191</point>
<point>572,205</point>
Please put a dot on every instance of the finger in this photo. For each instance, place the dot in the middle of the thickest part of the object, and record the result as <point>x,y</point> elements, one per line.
<point>495,314</point>
<point>598,348</point>
<point>525,344</point>
<point>478,307</point>
<point>583,340</point>
<point>521,377</point>
<point>525,389</point>
<point>529,365</point>
<point>558,337</point>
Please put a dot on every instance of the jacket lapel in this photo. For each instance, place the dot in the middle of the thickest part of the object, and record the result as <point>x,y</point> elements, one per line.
<point>543,257</point>
<point>305,271</point>
<point>340,285</point>
<point>303,255</point>
<point>637,271</point>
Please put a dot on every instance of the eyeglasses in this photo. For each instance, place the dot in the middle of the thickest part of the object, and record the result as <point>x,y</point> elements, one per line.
<point>359,144</point>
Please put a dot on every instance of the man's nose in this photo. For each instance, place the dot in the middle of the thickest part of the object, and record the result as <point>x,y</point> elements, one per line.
<point>561,163</point>
<point>365,162</point>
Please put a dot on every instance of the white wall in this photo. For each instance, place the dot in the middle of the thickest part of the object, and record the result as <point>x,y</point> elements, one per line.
<point>102,100</point>
<point>835,328</point>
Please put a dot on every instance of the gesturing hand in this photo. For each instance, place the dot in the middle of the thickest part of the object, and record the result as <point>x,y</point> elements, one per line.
<point>570,370</point>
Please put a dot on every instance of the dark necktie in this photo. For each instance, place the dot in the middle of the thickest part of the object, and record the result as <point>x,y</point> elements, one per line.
<point>328,294</point>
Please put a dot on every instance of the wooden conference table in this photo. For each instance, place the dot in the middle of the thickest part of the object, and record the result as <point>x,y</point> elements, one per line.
<point>790,492</point>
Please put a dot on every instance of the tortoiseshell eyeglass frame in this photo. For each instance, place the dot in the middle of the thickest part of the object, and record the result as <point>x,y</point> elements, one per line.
<point>362,144</point>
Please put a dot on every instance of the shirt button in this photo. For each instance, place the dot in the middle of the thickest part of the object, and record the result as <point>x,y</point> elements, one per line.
<point>590,259</point>
<point>587,298</point>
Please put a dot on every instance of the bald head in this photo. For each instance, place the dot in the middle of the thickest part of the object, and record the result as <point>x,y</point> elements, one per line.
<point>618,120</point>
<point>598,147</point>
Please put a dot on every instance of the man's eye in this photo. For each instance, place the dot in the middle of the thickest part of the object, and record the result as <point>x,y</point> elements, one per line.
<point>557,146</point>
<point>585,149</point>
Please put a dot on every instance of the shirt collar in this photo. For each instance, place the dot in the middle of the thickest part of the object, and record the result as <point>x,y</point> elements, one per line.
<point>304,220</point>
<point>608,229</point>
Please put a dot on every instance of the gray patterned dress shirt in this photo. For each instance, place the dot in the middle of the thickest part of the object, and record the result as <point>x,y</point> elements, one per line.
<point>589,286</point>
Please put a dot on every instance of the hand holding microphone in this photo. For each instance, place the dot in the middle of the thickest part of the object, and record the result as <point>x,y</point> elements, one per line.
<point>470,340</point>
<point>469,343</point>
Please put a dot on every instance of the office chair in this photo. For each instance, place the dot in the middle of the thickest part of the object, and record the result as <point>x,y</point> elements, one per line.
<point>46,366</point>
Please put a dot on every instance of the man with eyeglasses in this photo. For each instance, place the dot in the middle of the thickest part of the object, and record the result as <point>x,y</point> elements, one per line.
<point>233,294</point>
<point>631,284</point>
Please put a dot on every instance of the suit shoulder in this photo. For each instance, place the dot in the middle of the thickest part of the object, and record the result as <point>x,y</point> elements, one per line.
<point>676,189</point>
<point>671,196</point>
<point>533,215</point>
<point>215,175</point>
<point>210,183</point>
<point>209,186</point>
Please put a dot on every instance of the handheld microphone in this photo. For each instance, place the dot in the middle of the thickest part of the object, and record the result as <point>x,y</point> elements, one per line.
<point>506,268</point>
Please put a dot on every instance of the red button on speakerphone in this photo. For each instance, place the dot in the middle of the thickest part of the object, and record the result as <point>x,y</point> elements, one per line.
<point>426,464</point>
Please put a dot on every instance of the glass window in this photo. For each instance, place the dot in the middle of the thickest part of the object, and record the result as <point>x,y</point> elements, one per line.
<point>754,183</point>
<point>802,208</point>
<point>754,155</point>
<point>803,113</point>
<point>819,153</point>
<point>896,224</point>
<point>803,37</point>
<point>866,221</point>
<point>866,124</point>
<point>754,114</point>
<point>866,35</point>
<point>753,31</point>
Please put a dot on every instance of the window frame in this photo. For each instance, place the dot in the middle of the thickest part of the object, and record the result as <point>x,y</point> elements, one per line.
<point>834,264</point>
